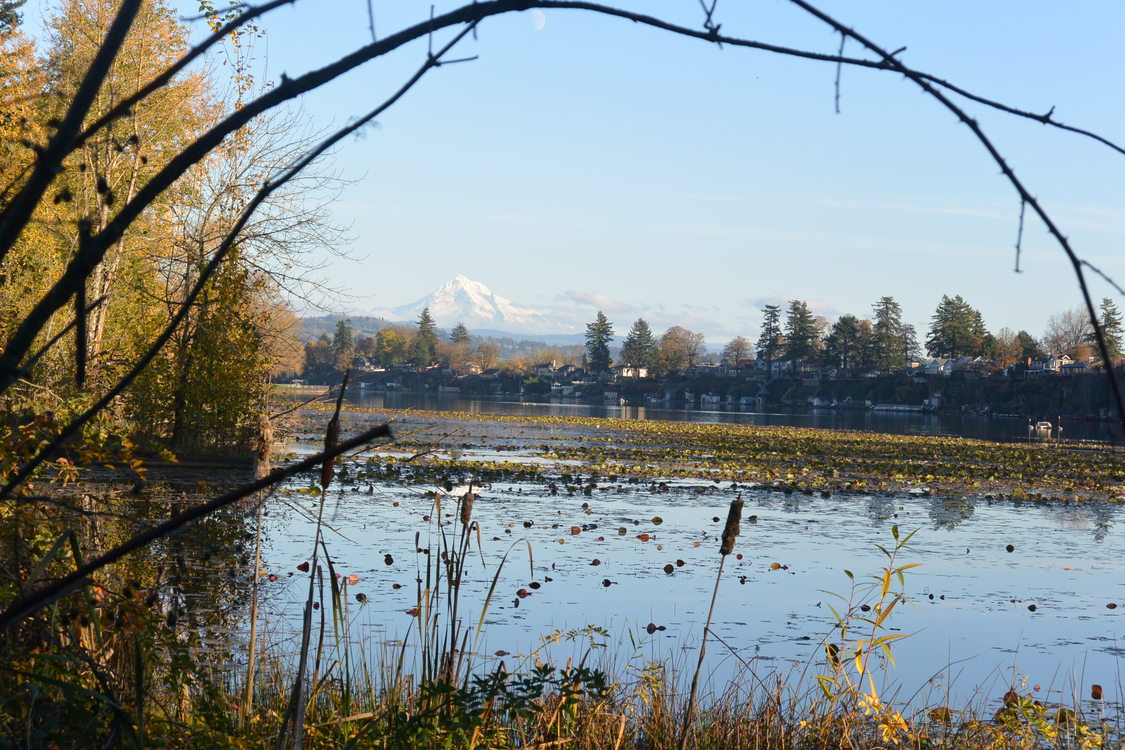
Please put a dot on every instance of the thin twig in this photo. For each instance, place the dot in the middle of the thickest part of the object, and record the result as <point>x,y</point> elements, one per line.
<point>1019,235</point>
<point>839,71</point>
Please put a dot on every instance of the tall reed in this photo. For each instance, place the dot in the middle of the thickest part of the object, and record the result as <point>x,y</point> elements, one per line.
<point>726,546</point>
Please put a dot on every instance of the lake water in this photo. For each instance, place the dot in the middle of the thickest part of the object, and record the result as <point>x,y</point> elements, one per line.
<point>980,617</point>
<point>899,423</point>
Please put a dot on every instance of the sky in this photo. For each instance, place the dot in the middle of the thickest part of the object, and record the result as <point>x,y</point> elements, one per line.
<point>584,163</point>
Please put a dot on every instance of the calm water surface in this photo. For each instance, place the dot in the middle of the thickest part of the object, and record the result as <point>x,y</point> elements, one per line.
<point>908,423</point>
<point>980,618</point>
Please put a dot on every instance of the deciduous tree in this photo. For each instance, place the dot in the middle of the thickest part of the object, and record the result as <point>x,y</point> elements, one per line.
<point>1067,333</point>
<point>736,351</point>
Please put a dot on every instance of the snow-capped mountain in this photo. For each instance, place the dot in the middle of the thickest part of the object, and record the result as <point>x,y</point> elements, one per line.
<point>462,300</point>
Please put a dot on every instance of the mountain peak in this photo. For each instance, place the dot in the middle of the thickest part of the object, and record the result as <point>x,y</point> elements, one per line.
<point>463,300</point>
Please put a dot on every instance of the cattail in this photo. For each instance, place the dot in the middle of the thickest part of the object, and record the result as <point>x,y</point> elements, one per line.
<point>730,531</point>
<point>331,438</point>
<point>467,507</point>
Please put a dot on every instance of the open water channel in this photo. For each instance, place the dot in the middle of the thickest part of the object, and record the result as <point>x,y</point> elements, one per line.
<point>1027,595</point>
<point>898,423</point>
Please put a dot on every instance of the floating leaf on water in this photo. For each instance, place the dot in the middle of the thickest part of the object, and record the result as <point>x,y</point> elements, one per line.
<point>523,593</point>
<point>622,531</point>
<point>303,567</point>
<point>643,537</point>
<point>535,584</point>
<point>606,582</point>
<point>1011,548</point>
<point>1031,608</point>
<point>413,611</point>
<point>361,598</point>
<point>650,628</point>
<point>657,520</point>
<point>738,556</point>
<point>680,563</point>
<point>396,586</point>
<point>388,560</point>
<point>775,566</point>
<point>752,519</point>
<point>502,652</point>
<point>669,568</point>
<point>1096,692</point>
<point>715,519</point>
<point>575,529</point>
<point>595,561</point>
<point>1111,605</point>
<point>353,579</point>
<point>272,577</point>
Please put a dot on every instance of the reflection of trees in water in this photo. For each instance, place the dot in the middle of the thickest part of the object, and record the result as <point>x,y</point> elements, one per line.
<point>881,508</point>
<point>192,585</point>
<point>1097,517</point>
<point>951,512</point>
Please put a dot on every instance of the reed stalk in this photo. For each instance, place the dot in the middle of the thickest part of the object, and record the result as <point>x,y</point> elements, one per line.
<point>726,546</point>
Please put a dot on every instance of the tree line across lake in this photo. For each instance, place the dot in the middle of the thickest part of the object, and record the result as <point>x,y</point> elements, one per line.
<point>793,335</point>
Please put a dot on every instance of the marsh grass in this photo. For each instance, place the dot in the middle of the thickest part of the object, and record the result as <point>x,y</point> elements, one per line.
<point>136,687</point>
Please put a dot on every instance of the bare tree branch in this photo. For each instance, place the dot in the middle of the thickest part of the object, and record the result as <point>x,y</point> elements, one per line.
<point>46,452</point>
<point>1026,197</point>
<point>49,163</point>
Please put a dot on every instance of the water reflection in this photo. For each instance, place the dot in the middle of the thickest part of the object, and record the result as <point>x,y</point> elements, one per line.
<point>897,423</point>
<point>950,512</point>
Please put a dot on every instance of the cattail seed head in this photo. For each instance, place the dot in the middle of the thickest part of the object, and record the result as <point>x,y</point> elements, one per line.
<point>467,501</point>
<point>730,531</point>
<point>331,438</point>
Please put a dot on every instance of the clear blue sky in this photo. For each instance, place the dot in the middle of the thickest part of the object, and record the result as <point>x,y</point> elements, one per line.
<point>587,162</point>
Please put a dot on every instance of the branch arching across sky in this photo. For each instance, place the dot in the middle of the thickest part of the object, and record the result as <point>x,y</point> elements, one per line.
<point>72,281</point>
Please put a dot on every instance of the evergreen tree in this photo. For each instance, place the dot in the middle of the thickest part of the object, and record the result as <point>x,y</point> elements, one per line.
<point>1112,331</point>
<point>888,344</point>
<point>343,340</point>
<point>459,334</point>
<point>640,348</point>
<point>802,334</point>
<point>771,343</point>
<point>423,350</point>
<point>910,348</point>
<point>1029,347</point>
<point>598,335</point>
<point>956,329</point>
<point>844,346</point>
